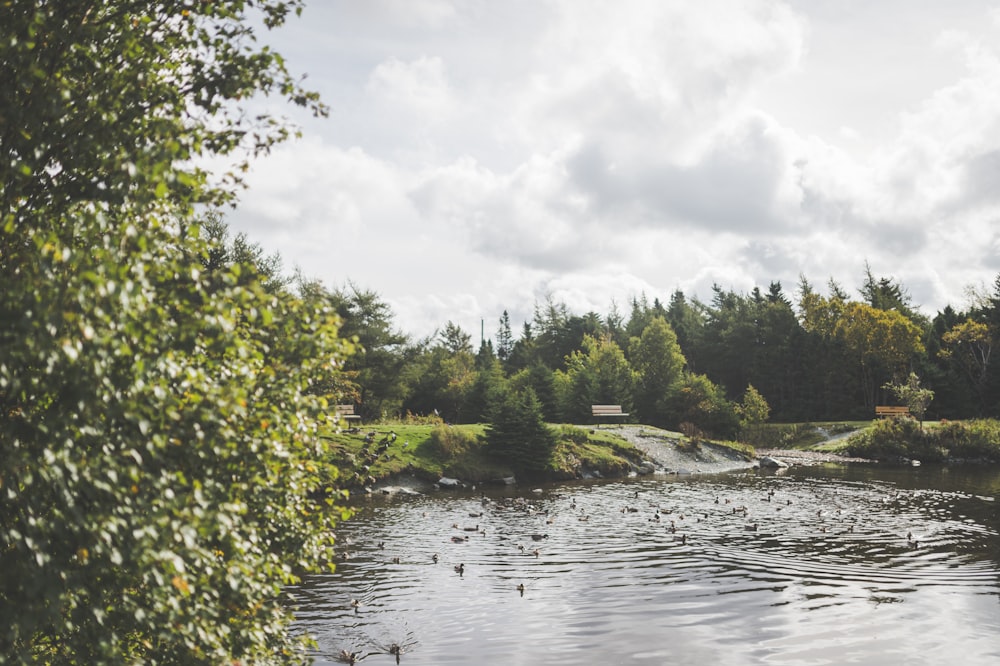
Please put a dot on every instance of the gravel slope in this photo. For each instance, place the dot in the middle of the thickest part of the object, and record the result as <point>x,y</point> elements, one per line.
<point>663,450</point>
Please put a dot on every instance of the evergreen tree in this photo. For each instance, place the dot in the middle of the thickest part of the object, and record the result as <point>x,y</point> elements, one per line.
<point>555,339</point>
<point>639,317</point>
<point>525,351</point>
<point>454,339</point>
<point>487,388</point>
<point>888,294</point>
<point>505,339</point>
<point>780,362</point>
<point>687,320</point>
<point>541,380</point>
<point>614,324</point>
<point>955,394</point>
<point>383,351</point>
<point>224,253</point>
<point>518,433</point>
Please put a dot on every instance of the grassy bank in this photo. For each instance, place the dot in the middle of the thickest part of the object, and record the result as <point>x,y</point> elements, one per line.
<point>804,436</point>
<point>973,441</point>
<point>432,451</point>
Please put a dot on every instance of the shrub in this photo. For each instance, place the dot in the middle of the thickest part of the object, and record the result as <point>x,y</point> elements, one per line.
<point>896,438</point>
<point>970,440</point>
<point>448,442</point>
<point>421,419</point>
<point>691,431</point>
<point>695,399</point>
<point>574,434</point>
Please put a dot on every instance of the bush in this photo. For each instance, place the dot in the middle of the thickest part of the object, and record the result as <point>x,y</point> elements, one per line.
<point>692,432</point>
<point>409,418</point>
<point>979,439</point>
<point>896,438</point>
<point>574,434</point>
<point>448,442</point>
<point>903,438</point>
<point>696,400</point>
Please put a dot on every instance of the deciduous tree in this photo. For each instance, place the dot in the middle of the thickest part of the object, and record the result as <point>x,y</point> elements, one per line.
<point>659,364</point>
<point>158,437</point>
<point>913,395</point>
<point>753,409</point>
<point>880,342</point>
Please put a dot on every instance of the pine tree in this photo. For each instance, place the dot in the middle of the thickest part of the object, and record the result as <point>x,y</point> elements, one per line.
<point>518,433</point>
<point>505,339</point>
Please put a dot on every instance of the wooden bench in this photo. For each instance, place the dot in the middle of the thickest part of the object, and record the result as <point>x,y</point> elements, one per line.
<point>601,411</point>
<point>346,413</point>
<point>885,411</point>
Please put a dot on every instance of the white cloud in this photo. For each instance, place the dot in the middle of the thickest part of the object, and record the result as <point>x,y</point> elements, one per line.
<point>482,155</point>
<point>420,86</point>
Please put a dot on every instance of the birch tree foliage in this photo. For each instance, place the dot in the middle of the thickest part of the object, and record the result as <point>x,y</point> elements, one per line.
<point>158,423</point>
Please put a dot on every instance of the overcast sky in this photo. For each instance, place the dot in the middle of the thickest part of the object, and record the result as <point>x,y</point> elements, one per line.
<point>483,155</point>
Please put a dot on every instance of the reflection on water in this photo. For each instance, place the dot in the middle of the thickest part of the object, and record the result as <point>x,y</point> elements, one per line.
<point>831,565</point>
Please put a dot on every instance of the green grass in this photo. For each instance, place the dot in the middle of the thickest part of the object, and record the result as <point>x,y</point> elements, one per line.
<point>431,451</point>
<point>803,436</point>
<point>414,450</point>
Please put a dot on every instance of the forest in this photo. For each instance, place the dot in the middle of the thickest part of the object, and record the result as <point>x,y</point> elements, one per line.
<point>814,355</point>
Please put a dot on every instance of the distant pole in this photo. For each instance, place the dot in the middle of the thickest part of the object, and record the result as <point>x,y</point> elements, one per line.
<point>482,332</point>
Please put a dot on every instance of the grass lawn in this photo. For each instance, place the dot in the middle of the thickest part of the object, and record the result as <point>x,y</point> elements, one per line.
<point>432,451</point>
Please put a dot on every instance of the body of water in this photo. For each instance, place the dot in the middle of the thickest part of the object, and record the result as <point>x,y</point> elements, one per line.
<point>838,564</point>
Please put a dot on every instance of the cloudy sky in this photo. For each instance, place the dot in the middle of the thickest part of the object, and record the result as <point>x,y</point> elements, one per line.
<point>484,155</point>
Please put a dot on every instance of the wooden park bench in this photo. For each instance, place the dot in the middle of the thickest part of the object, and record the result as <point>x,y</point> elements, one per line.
<point>602,411</point>
<point>885,411</point>
<point>346,413</point>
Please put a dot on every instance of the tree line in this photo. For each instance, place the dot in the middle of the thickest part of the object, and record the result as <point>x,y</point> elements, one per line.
<point>813,356</point>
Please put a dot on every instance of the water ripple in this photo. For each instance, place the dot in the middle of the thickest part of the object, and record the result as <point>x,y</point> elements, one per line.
<point>642,569</point>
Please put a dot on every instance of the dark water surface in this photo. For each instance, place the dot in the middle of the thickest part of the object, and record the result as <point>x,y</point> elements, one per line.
<point>828,565</point>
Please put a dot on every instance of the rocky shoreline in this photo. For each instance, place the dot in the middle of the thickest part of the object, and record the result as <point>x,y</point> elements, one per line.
<point>670,453</point>
<point>799,457</point>
<point>664,452</point>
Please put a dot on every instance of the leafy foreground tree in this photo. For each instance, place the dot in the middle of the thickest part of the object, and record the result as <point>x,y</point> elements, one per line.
<point>158,434</point>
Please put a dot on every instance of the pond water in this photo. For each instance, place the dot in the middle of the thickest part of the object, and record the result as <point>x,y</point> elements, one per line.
<point>836,564</point>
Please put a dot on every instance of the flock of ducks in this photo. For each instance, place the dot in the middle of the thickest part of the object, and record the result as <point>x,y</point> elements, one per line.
<point>371,452</point>
<point>759,521</point>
